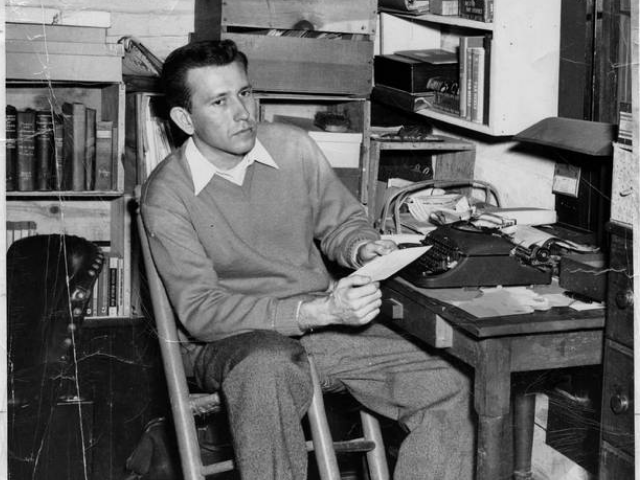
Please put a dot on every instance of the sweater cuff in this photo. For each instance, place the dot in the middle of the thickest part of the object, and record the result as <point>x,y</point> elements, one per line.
<point>355,246</point>
<point>285,321</point>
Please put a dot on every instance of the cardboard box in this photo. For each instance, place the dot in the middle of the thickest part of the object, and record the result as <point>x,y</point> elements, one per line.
<point>407,74</point>
<point>341,149</point>
<point>444,7</point>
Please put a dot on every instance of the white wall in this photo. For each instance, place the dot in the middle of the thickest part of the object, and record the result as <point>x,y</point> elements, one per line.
<point>522,179</point>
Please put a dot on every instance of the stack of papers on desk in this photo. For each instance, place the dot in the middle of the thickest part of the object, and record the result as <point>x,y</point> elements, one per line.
<point>505,301</point>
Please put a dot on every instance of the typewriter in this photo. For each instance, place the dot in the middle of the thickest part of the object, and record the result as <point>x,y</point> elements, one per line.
<point>463,255</point>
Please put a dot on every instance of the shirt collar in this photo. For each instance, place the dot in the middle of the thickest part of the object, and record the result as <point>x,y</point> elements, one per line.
<point>202,170</point>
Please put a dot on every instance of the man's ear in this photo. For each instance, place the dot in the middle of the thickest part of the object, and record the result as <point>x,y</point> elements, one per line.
<point>182,118</point>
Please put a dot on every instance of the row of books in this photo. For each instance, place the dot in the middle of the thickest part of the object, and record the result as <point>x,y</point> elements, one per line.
<point>473,55</point>
<point>454,83</point>
<point>16,230</point>
<point>50,151</point>
<point>479,10</point>
<point>158,137</point>
<point>108,298</point>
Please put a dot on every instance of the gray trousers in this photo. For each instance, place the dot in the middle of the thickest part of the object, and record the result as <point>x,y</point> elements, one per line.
<point>265,381</point>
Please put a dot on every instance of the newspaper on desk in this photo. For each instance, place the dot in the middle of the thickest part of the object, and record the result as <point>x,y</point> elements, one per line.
<point>487,302</point>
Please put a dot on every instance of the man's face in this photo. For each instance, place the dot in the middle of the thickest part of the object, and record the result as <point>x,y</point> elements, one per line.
<point>223,112</point>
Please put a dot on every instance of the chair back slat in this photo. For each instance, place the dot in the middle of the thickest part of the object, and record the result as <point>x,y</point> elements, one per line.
<point>172,360</point>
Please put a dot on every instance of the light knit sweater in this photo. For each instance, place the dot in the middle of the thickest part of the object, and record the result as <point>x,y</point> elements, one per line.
<point>240,258</point>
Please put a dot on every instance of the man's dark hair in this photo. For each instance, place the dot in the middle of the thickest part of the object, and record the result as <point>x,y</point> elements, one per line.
<point>195,55</point>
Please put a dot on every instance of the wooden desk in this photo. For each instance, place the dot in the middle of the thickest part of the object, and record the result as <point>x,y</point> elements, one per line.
<point>495,348</point>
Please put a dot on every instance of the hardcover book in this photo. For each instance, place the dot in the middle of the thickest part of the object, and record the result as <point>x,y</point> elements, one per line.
<point>58,152</point>
<point>104,155</point>
<point>74,118</point>
<point>26,151</point>
<point>480,10</point>
<point>465,43</point>
<point>44,149</point>
<point>434,56</point>
<point>90,149</point>
<point>11,146</point>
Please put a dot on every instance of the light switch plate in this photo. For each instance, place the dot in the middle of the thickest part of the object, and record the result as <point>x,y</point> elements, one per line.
<point>566,179</point>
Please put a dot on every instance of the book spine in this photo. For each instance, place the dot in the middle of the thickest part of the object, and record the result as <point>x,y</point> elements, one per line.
<point>74,145</point>
<point>26,157</point>
<point>477,63</point>
<point>90,149</point>
<point>113,286</point>
<point>44,149</point>
<point>480,74</point>
<point>469,85</point>
<point>121,299</point>
<point>103,301</point>
<point>11,146</point>
<point>58,149</point>
<point>487,78</point>
<point>114,158</point>
<point>104,154</point>
<point>462,62</point>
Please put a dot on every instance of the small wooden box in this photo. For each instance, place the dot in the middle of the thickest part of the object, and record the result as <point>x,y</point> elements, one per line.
<point>409,75</point>
<point>307,65</point>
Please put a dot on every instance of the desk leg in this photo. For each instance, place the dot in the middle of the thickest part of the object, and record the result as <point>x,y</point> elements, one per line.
<point>492,404</point>
<point>524,404</point>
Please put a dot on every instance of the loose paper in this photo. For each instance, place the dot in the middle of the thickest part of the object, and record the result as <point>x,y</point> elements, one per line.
<point>386,265</point>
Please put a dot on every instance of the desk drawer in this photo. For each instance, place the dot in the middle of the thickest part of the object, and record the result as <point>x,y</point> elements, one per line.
<point>617,397</point>
<point>413,317</point>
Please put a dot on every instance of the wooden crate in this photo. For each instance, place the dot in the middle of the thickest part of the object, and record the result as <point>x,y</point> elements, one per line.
<point>340,65</point>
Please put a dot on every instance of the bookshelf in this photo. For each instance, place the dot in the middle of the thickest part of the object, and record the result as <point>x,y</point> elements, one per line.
<point>87,74</point>
<point>523,46</point>
<point>151,135</point>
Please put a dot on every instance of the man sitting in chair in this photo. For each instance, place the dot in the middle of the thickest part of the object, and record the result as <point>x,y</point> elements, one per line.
<point>233,217</point>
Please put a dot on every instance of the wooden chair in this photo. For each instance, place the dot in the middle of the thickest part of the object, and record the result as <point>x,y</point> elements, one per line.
<point>186,406</point>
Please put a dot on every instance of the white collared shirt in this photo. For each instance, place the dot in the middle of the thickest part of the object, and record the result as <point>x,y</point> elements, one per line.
<point>202,170</point>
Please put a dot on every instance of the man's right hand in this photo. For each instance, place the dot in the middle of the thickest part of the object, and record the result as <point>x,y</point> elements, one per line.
<point>354,300</point>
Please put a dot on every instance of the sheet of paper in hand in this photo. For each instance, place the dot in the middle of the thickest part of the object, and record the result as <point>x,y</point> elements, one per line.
<point>386,265</point>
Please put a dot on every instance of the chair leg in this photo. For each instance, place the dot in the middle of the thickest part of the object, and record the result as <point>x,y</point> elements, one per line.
<point>322,441</point>
<point>376,458</point>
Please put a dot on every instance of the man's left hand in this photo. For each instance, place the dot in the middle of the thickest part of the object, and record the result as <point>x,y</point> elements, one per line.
<point>371,250</point>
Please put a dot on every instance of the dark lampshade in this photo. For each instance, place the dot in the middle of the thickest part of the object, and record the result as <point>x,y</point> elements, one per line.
<point>580,136</point>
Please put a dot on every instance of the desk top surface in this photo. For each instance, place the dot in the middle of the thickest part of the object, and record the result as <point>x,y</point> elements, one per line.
<point>556,319</point>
